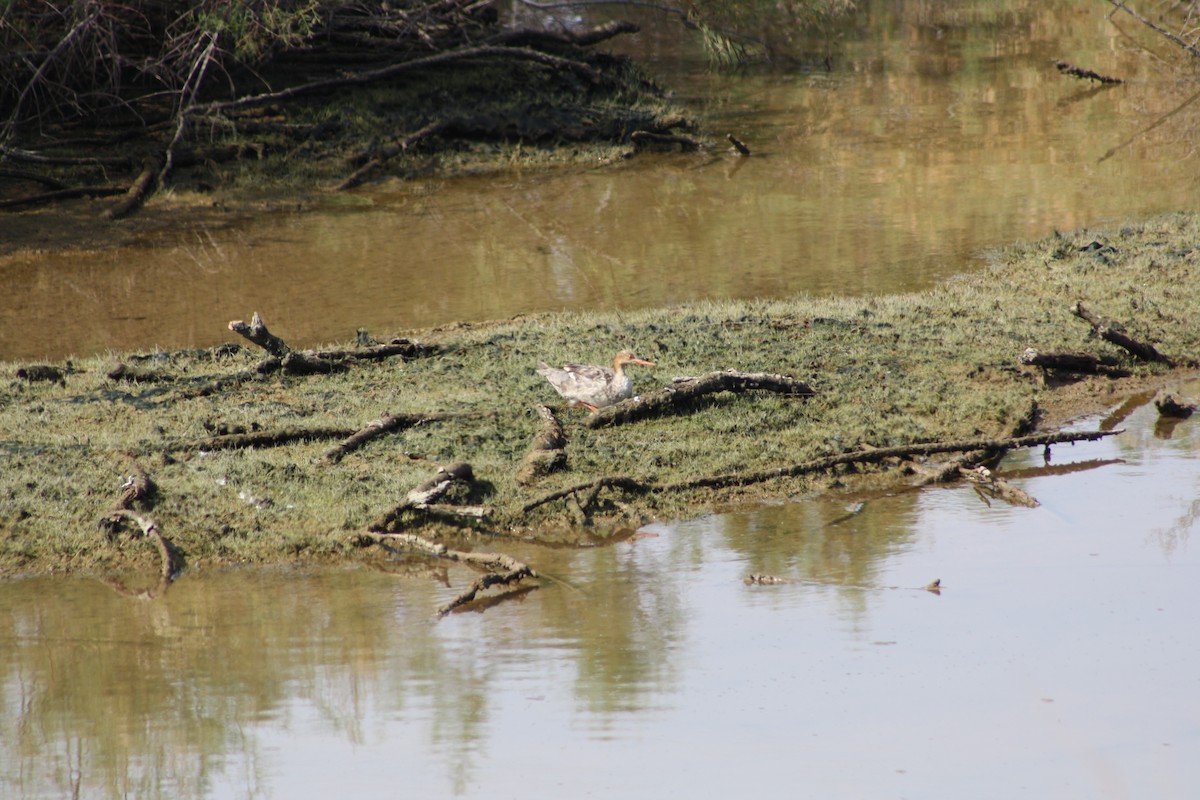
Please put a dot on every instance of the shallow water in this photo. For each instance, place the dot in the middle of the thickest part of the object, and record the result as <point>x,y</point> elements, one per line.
<point>1057,661</point>
<point>939,130</point>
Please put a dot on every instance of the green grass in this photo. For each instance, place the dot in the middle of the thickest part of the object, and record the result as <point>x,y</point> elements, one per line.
<point>890,370</point>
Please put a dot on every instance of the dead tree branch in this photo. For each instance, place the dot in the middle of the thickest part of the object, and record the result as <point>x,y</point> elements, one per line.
<point>388,153</point>
<point>266,438</point>
<point>1076,362</point>
<point>1120,5</point>
<point>257,333</point>
<point>1086,74</point>
<point>688,390</point>
<point>1114,334</point>
<point>425,495</point>
<point>388,423</point>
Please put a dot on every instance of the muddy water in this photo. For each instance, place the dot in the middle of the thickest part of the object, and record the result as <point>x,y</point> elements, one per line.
<point>938,130</point>
<point>1059,659</point>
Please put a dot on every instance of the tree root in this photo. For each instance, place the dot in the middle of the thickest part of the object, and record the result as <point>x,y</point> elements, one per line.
<point>686,390</point>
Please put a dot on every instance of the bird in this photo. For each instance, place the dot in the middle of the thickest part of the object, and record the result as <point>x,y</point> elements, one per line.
<point>590,386</point>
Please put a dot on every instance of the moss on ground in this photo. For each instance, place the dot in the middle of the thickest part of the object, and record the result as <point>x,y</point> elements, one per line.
<point>937,365</point>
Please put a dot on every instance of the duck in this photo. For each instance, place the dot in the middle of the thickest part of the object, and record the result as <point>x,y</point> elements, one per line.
<point>591,386</point>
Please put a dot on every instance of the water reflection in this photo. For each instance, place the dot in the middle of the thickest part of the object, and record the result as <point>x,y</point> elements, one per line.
<point>1058,655</point>
<point>940,129</point>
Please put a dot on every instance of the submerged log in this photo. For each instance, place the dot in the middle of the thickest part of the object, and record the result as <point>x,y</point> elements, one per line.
<point>687,390</point>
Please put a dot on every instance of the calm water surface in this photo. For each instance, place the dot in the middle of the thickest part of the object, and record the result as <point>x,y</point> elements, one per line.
<point>939,130</point>
<point>1059,659</point>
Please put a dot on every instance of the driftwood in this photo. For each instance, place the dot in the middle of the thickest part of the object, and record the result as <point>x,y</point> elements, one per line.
<point>423,497</point>
<point>1112,333</point>
<point>989,484</point>
<point>267,438</point>
<point>686,390</point>
<point>1169,405</point>
<point>501,569</point>
<point>762,579</point>
<point>874,455</point>
<point>548,453</point>
<point>1086,74</point>
<point>139,490</point>
<point>738,144</point>
<point>257,333</point>
<point>1076,362</point>
<point>388,423</point>
<point>141,189</point>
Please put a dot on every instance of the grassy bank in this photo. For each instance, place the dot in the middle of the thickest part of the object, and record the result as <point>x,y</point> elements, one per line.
<point>938,365</point>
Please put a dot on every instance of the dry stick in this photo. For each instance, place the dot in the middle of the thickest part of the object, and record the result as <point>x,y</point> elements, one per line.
<point>738,144</point>
<point>687,390</point>
<point>257,332</point>
<point>502,569</point>
<point>1077,362</point>
<point>388,153</point>
<point>1120,5</point>
<point>1109,333</point>
<point>384,73</point>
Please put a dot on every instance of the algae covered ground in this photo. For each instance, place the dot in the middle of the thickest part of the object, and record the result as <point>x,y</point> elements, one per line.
<point>887,371</point>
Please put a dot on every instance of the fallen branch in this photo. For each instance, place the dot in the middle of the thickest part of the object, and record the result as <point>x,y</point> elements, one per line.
<point>687,390</point>
<point>395,70</point>
<point>388,423</point>
<point>257,333</point>
<point>502,569</point>
<point>988,483</point>
<point>529,37</point>
<point>548,453</point>
<point>1169,405</point>
<point>141,189</point>
<point>266,438</point>
<point>593,489</point>
<point>1076,362</point>
<point>1112,333</point>
<point>429,492</point>
<point>139,489</point>
<point>738,144</point>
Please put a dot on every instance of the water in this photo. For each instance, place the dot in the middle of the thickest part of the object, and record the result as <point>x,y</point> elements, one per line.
<point>1058,660</point>
<point>939,130</point>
